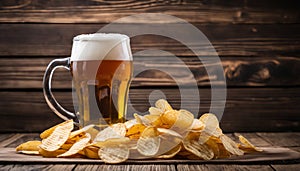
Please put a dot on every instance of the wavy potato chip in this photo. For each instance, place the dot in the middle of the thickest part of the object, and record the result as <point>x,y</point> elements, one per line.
<point>77,147</point>
<point>171,153</point>
<point>113,131</point>
<point>200,150</point>
<point>58,137</point>
<point>247,145</point>
<point>211,124</point>
<point>114,154</point>
<point>55,153</point>
<point>230,145</point>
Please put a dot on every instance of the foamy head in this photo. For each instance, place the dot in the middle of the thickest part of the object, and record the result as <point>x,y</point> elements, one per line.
<point>101,46</point>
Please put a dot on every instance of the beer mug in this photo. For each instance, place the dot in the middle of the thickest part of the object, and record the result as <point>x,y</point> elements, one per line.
<point>101,69</point>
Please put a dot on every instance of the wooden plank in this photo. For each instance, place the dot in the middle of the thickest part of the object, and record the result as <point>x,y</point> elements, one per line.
<point>23,138</point>
<point>166,71</point>
<point>227,39</point>
<point>10,139</point>
<point>156,167</point>
<point>29,167</point>
<point>247,109</point>
<point>191,167</point>
<point>254,139</point>
<point>284,139</point>
<point>77,11</point>
<point>284,167</point>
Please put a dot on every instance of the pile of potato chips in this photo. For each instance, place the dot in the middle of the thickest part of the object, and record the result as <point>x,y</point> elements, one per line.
<point>163,133</point>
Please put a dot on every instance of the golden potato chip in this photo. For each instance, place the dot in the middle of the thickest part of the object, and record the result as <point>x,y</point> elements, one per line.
<point>32,146</point>
<point>184,121</point>
<point>153,120</point>
<point>211,124</point>
<point>230,145</point>
<point>58,137</point>
<point>49,131</point>
<point>55,153</point>
<point>112,141</point>
<point>197,125</point>
<point>113,131</point>
<point>247,145</point>
<point>213,145</point>
<point>78,146</point>
<point>114,154</point>
<point>91,152</point>
<point>200,150</point>
<point>170,153</point>
<point>163,105</point>
<point>169,139</point>
<point>155,111</point>
<point>135,131</point>
<point>169,118</point>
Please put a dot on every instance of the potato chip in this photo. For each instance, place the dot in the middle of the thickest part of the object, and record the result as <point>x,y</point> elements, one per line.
<point>200,150</point>
<point>230,145</point>
<point>155,111</point>
<point>58,137</point>
<point>247,145</point>
<point>130,123</point>
<point>184,121</point>
<point>49,131</point>
<point>169,118</point>
<point>55,153</point>
<point>141,119</point>
<point>28,146</point>
<point>114,154</point>
<point>148,146</point>
<point>91,152</point>
<point>163,105</point>
<point>29,152</point>
<point>154,120</point>
<point>135,131</point>
<point>112,141</point>
<point>78,146</point>
<point>80,131</point>
<point>211,124</point>
<point>170,153</point>
<point>197,125</point>
<point>113,131</point>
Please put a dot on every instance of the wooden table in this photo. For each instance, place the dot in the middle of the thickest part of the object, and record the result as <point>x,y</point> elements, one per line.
<point>289,140</point>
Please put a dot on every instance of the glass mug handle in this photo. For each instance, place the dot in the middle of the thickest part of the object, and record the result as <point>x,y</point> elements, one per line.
<point>51,101</point>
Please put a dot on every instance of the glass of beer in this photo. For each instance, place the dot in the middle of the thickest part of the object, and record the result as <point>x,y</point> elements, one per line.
<point>101,69</point>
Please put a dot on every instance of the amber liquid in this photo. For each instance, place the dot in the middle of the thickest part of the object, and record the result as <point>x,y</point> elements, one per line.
<point>102,90</point>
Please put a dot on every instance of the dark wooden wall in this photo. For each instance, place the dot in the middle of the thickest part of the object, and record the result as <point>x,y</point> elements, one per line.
<point>258,42</point>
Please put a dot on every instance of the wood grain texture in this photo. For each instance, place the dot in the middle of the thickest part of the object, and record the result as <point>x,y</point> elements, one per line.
<point>190,167</point>
<point>96,11</point>
<point>282,167</point>
<point>27,73</point>
<point>228,39</point>
<point>36,167</point>
<point>254,139</point>
<point>284,139</point>
<point>156,167</point>
<point>247,109</point>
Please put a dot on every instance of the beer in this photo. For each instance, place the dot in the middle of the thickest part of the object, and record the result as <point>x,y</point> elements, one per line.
<point>101,67</point>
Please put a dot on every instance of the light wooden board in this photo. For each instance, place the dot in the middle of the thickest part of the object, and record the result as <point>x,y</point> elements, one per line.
<point>270,155</point>
<point>229,167</point>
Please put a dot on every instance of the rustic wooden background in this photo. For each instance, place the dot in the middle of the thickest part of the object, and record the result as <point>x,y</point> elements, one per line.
<point>258,42</point>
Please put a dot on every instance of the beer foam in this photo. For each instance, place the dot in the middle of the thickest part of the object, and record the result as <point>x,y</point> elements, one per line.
<point>101,46</point>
